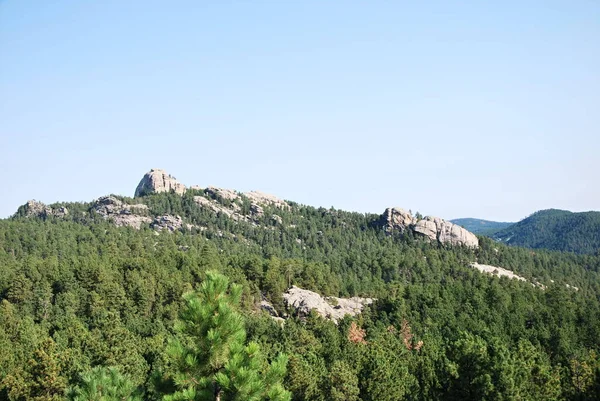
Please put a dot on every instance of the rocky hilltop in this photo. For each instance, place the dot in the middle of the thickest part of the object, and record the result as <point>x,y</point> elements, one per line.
<point>433,228</point>
<point>35,208</point>
<point>255,208</point>
<point>157,181</point>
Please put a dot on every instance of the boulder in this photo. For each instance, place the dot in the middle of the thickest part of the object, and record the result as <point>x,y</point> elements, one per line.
<point>157,181</point>
<point>167,222</point>
<point>304,301</point>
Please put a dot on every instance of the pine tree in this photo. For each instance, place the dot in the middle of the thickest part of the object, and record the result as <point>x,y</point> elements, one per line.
<point>343,382</point>
<point>211,358</point>
<point>41,380</point>
<point>104,384</point>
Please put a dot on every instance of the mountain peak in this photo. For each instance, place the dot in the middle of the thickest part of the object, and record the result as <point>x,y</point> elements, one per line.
<point>158,180</point>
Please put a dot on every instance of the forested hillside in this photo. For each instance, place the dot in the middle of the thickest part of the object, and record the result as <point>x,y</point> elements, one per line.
<point>481,227</point>
<point>83,302</point>
<point>554,229</point>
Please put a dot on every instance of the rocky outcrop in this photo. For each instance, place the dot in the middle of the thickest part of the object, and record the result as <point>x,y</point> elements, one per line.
<point>35,208</point>
<point>396,218</point>
<point>223,193</point>
<point>445,232</point>
<point>256,197</point>
<point>232,211</point>
<point>167,222</point>
<point>256,210</point>
<point>497,271</point>
<point>434,228</point>
<point>121,213</point>
<point>125,215</point>
<point>266,199</point>
<point>270,309</point>
<point>304,301</point>
<point>157,181</point>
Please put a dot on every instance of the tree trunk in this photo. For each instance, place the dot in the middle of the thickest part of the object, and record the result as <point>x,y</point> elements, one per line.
<point>217,392</point>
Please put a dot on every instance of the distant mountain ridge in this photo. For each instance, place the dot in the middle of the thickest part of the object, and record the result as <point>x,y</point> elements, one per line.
<point>480,226</point>
<point>248,208</point>
<point>554,229</point>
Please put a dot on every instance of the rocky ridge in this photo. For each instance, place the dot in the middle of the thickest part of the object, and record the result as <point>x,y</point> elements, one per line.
<point>253,207</point>
<point>158,180</point>
<point>232,207</point>
<point>135,216</point>
<point>433,228</point>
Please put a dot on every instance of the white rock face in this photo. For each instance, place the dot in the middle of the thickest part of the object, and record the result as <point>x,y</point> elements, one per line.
<point>434,228</point>
<point>303,301</point>
<point>497,271</point>
<point>427,227</point>
<point>156,181</point>
<point>397,218</point>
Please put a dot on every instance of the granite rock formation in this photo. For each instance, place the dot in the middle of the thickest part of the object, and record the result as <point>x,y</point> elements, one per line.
<point>433,228</point>
<point>303,301</point>
<point>157,181</point>
<point>121,213</point>
<point>35,208</point>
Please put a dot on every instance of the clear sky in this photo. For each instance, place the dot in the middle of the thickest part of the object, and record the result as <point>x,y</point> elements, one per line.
<point>451,108</point>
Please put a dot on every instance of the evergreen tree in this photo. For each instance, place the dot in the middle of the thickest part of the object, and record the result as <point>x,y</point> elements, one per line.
<point>344,382</point>
<point>104,384</point>
<point>41,380</point>
<point>212,360</point>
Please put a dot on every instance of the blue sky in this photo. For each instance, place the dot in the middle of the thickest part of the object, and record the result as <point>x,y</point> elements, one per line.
<point>454,109</point>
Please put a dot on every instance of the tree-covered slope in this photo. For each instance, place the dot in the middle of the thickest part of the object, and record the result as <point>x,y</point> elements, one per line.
<point>481,227</point>
<point>81,298</point>
<point>554,229</point>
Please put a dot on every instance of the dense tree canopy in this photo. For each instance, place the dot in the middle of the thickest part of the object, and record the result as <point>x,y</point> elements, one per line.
<point>84,302</point>
<point>558,230</point>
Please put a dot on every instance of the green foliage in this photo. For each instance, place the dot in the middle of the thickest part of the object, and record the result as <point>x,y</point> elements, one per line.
<point>40,379</point>
<point>78,293</point>
<point>104,384</point>
<point>212,361</point>
<point>558,230</point>
<point>481,227</point>
<point>343,382</point>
